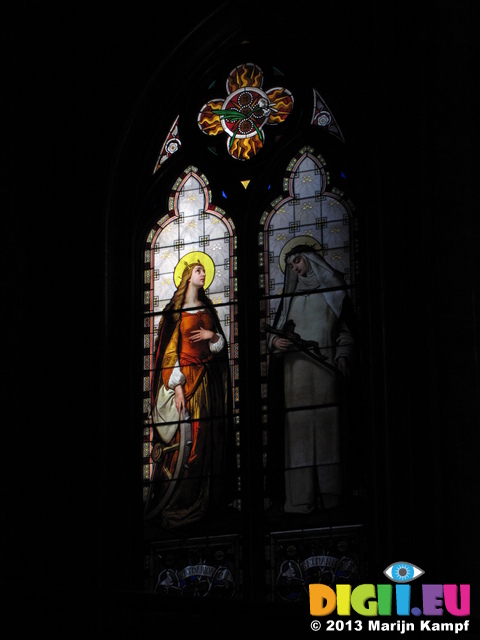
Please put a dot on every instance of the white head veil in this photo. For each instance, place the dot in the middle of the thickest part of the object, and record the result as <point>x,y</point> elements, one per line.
<point>321,277</point>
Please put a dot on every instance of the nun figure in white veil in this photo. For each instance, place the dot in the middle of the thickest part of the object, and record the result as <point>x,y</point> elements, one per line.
<point>313,310</point>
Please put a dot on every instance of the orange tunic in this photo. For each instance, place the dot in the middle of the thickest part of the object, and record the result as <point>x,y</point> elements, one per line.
<point>194,355</point>
<point>206,389</point>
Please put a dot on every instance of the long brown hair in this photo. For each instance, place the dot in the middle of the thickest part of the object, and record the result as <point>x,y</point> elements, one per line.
<point>173,309</point>
<point>176,302</point>
<point>172,313</point>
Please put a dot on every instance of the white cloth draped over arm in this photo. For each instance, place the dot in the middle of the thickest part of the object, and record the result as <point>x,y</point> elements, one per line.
<point>216,347</point>
<point>165,413</point>
<point>177,376</point>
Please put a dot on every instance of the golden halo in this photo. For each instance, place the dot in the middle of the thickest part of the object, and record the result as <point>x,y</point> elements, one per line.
<point>291,244</point>
<point>191,258</point>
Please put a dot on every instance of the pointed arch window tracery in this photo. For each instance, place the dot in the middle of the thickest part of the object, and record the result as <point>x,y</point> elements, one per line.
<point>311,204</point>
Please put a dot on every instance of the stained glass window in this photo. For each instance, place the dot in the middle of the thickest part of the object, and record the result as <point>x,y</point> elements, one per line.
<point>245,112</point>
<point>177,457</point>
<point>308,300</point>
<point>310,223</point>
<point>323,117</point>
<point>171,145</point>
<point>328,556</point>
<point>203,567</point>
<point>310,208</point>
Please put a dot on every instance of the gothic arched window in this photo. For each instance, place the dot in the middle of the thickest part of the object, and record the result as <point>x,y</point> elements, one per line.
<point>222,512</point>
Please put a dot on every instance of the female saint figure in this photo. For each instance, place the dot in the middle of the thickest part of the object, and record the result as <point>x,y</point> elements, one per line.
<point>312,340</point>
<point>190,406</point>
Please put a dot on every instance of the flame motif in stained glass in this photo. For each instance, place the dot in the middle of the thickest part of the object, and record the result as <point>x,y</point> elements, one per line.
<point>246,110</point>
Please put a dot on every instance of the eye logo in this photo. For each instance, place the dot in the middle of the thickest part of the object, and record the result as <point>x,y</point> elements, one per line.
<point>403,572</point>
